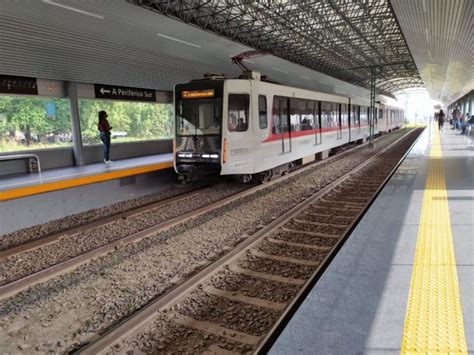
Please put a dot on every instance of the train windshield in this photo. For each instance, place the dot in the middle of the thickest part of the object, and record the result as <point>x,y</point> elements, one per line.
<point>198,117</point>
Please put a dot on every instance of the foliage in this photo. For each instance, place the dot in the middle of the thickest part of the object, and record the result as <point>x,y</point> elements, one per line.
<point>24,122</point>
<point>138,120</point>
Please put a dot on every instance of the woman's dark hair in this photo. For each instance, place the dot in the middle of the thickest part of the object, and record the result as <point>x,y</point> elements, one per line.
<point>102,115</point>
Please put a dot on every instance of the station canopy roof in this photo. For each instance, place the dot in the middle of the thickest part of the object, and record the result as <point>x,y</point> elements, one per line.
<point>440,34</point>
<point>340,38</point>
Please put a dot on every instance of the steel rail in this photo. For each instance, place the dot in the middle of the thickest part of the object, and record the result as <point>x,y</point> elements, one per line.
<point>54,238</point>
<point>15,287</point>
<point>148,313</point>
<point>267,342</point>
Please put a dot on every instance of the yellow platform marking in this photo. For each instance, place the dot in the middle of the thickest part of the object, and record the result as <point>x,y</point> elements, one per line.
<point>84,180</point>
<point>433,321</point>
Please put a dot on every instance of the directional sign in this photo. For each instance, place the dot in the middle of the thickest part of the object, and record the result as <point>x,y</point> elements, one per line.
<point>18,85</point>
<point>123,93</point>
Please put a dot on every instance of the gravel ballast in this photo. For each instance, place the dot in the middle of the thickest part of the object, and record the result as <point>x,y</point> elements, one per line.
<point>56,226</point>
<point>17,266</point>
<point>76,306</point>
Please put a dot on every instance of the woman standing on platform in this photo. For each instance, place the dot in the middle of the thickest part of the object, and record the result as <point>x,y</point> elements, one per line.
<point>441,120</point>
<point>104,128</point>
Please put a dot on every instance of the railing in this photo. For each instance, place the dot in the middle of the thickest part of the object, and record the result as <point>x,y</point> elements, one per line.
<point>33,160</point>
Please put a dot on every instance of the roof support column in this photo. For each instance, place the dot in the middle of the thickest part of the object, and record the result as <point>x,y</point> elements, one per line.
<point>470,98</point>
<point>75,123</point>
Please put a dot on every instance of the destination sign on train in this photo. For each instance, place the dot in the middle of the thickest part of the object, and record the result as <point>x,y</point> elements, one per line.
<point>197,94</point>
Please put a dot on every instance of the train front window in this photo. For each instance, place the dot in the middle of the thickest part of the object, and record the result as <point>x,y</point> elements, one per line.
<point>198,117</point>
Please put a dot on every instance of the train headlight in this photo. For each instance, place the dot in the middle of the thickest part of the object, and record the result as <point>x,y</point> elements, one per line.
<point>209,156</point>
<point>185,155</point>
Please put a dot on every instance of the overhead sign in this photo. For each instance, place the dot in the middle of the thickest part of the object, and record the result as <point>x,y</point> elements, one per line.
<point>18,85</point>
<point>123,93</point>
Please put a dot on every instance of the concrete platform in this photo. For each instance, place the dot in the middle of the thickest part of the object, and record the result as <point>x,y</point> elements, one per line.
<point>33,199</point>
<point>57,179</point>
<point>359,304</point>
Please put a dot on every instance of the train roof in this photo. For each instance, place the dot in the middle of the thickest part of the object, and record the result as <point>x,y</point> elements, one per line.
<point>215,80</point>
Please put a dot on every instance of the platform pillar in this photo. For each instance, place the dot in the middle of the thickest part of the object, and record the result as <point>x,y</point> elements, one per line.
<point>75,123</point>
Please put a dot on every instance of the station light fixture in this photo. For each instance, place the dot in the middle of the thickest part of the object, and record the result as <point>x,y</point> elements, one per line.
<point>70,8</point>
<point>178,40</point>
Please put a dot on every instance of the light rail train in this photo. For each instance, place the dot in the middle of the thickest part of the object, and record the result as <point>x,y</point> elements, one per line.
<point>255,130</point>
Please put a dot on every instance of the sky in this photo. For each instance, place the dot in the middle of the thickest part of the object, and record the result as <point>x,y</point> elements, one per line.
<point>418,105</point>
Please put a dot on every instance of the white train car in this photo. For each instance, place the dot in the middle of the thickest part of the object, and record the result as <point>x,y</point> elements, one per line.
<point>255,129</point>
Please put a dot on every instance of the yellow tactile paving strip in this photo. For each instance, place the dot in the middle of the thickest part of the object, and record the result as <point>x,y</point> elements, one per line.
<point>85,180</point>
<point>433,321</point>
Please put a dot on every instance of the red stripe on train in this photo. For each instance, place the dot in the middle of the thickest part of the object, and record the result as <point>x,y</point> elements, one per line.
<point>278,136</point>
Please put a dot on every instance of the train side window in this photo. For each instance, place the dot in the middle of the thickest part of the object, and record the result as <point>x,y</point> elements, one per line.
<point>283,124</point>
<point>280,115</point>
<point>344,115</point>
<point>327,115</point>
<point>336,114</point>
<point>355,115</point>
<point>262,112</point>
<point>308,120</point>
<point>238,120</point>
<point>299,117</point>
<point>276,114</point>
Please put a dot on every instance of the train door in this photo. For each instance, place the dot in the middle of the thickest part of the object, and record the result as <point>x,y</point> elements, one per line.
<point>348,119</point>
<point>318,134</point>
<point>356,119</point>
<point>261,104</point>
<point>339,122</point>
<point>281,122</point>
<point>380,117</point>
<point>238,143</point>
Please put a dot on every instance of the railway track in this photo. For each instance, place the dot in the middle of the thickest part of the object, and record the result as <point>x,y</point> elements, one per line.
<point>57,237</point>
<point>242,301</point>
<point>145,226</point>
<point>26,265</point>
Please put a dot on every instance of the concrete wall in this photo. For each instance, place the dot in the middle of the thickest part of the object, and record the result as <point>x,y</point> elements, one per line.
<point>63,157</point>
<point>29,211</point>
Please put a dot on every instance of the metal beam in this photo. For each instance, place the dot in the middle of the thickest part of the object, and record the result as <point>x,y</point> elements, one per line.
<point>340,38</point>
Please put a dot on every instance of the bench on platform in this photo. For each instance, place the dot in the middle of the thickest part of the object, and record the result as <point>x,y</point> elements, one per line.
<point>33,160</point>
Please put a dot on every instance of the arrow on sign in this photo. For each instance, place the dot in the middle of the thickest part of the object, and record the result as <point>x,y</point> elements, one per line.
<point>103,91</point>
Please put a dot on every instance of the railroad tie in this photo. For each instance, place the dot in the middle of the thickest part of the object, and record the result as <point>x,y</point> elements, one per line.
<point>300,245</point>
<point>287,259</point>
<point>321,224</point>
<point>236,296</point>
<point>313,234</point>
<point>216,329</point>
<point>265,276</point>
